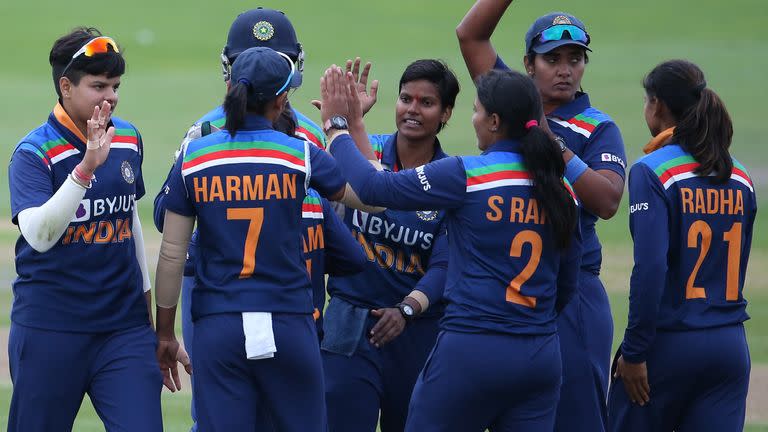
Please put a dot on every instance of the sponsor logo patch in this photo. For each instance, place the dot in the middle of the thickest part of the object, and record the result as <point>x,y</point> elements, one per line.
<point>608,157</point>
<point>83,212</point>
<point>638,207</point>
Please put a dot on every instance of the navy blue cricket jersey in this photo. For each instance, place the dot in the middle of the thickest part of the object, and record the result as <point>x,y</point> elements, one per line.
<point>595,138</point>
<point>405,250</point>
<point>505,274</point>
<point>328,246</point>
<point>90,280</point>
<point>692,241</point>
<point>246,192</point>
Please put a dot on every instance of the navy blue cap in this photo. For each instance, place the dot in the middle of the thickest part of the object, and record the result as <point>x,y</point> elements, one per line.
<point>265,71</point>
<point>262,28</point>
<point>532,42</point>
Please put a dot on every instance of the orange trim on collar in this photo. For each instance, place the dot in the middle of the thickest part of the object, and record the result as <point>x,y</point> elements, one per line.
<point>659,141</point>
<point>66,121</point>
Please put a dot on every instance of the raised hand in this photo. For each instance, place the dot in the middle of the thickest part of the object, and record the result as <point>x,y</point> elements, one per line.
<point>367,100</point>
<point>334,93</point>
<point>99,139</point>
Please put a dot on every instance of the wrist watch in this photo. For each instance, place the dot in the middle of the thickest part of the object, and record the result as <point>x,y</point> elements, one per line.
<point>407,311</point>
<point>561,142</point>
<point>335,122</point>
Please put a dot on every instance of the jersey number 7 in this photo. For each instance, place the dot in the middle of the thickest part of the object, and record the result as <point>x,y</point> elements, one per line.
<point>255,216</point>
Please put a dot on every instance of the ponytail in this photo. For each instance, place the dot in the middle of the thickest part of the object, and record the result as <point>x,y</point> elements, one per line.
<point>235,107</point>
<point>544,161</point>
<point>705,130</point>
<point>515,99</point>
<point>703,126</point>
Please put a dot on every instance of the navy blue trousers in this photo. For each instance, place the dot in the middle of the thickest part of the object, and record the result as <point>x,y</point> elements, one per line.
<point>232,392</point>
<point>374,379</point>
<point>476,381</point>
<point>698,381</point>
<point>585,328</point>
<point>52,371</point>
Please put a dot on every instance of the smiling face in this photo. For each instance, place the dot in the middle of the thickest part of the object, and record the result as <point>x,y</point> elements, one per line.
<point>79,100</point>
<point>558,73</point>
<point>419,110</point>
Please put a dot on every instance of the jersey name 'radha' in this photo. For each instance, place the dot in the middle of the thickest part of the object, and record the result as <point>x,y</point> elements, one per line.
<point>712,201</point>
<point>244,187</point>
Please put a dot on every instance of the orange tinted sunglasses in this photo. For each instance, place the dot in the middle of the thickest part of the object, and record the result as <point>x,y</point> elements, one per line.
<point>99,45</point>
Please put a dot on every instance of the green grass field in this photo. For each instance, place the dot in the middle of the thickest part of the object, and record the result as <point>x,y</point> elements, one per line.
<point>173,77</point>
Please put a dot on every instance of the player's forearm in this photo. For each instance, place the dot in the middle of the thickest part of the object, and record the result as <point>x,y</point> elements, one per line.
<point>600,192</point>
<point>170,264</point>
<point>43,226</point>
<point>481,20</point>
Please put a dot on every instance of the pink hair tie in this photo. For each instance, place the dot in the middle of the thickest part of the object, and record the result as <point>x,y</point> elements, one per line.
<point>531,123</point>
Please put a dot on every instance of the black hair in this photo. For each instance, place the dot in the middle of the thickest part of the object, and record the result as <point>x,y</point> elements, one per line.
<point>704,126</point>
<point>514,98</point>
<point>439,74</point>
<point>239,101</point>
<point>110,63</point>
<point>286,123</point>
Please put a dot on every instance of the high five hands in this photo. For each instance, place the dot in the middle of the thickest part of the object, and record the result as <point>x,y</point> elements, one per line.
<point>367,99</point>
<point>338,91</point>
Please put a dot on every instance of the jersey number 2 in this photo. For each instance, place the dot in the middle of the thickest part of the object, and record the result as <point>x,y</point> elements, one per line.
<point>733,237</point>
<point>516,251</point>
<point>255,217</point>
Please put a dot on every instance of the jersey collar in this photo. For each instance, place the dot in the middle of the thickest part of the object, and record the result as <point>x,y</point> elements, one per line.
<point>256,122</point>
<point>389,152</point>
<point>63,122</point>
<point>572,108</point>
<point>505,145</point>
<point>663,138</point>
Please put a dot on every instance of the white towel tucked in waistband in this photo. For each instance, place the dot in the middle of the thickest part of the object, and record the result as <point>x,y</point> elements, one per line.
<point>259,337</point>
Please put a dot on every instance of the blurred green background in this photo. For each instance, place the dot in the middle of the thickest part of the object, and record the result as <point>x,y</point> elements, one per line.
<point>173,77</point>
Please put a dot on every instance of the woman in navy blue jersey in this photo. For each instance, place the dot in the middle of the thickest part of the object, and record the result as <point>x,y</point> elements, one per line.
<point>555,57</point>
<point>513,260</point>
<point>82,291</point>
<point>382,323</point>
<point>255,341</point>
<point>684,362</point>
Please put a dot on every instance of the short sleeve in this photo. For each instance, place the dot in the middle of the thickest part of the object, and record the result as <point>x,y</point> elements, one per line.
<point>605,149</point>
<point>29,178</point>
<point>177,198</point>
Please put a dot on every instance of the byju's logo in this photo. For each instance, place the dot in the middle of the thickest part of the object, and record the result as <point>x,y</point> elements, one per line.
<point>83,212</point>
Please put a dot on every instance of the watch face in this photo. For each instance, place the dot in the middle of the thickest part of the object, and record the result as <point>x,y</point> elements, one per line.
<point>338,122</point>
<point>408,310</point>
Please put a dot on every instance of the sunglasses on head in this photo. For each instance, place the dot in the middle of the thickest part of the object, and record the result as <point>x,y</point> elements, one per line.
<point>557,32</point>
<point>99,45</point>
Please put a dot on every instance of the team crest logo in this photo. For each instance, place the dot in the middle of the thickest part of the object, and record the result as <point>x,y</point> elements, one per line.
<point>427,215</point>
<point>263,31</point>
<point>560,20</point>
<point>127,172</point>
